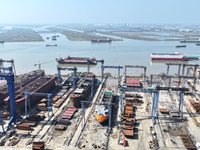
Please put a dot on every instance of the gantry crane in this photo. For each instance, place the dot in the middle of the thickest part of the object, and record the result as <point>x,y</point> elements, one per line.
<point>6,73</point>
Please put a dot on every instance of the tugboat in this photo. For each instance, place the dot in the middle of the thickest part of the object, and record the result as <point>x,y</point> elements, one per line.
<point>101,113</point>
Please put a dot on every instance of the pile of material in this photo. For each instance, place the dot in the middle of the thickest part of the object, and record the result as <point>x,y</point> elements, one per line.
<point>61,100</point>
<point>133,83</point>
<point>196,105</point>
<point>164,111</point>
<point>128,120</point>
<point>174,113</point>
<point>133,99</point>
<point>68,114</point>
<point>42,106</point>
<point>38,146</point>
<point>187,142</point>
<point>153,144</point>
<point>54,99</point>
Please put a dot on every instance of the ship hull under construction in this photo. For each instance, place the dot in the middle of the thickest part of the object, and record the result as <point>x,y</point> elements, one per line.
<point>81,93</point>
<point>20,82</point>
<point>42,85</point>
<point>101,113</point>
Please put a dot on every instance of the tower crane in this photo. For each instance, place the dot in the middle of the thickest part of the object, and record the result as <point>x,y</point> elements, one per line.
<point>39,64</point>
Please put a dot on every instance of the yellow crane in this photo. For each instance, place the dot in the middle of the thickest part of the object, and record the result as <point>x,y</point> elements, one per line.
<point>39,64</point>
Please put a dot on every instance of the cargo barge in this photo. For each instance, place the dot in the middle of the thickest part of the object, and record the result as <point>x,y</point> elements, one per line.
<point>101,41</point>
<point>20,82</point>
<point>41,85</point>
<point>179,46</point>
<point>101,113</point>
<point>169,56</point>
<point>51,45</point>
<point>76,60</point>
<point>190,41</point>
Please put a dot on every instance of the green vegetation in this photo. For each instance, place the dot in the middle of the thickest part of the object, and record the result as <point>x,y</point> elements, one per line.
<point>79,36</point>
<point>20,35</point>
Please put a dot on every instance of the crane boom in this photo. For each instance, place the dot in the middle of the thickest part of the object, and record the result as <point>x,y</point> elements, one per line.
<point>39,64</point>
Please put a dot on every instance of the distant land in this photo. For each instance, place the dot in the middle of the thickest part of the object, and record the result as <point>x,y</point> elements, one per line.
<point>92,31</point>
<point>79,36</point>
<point>142,32</point>
<point>20,35</point>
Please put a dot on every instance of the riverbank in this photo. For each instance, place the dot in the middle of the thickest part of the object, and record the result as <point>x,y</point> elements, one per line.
<point>20,35</point>
<point>79,36</point>
<point>144,33</point>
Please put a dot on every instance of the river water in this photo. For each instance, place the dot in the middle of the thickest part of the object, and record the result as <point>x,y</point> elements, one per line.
<point>126,52</point>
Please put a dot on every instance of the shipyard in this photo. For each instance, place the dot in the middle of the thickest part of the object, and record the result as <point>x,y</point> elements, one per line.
<point>95,75</point>
<point>80,110</point>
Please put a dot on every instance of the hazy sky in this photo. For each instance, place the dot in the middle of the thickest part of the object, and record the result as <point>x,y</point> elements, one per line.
<point>100,11</point>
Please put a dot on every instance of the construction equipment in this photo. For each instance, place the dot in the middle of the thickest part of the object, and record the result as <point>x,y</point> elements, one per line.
<point>70,69</point>
<point>39,64</point>
<point>155,98</point>
<point>132,66</point>
<point>112,67</point>
<point>37,94</point>
<point>6,73</point>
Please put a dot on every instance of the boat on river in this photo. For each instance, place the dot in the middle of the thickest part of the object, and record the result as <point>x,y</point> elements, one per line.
<point>101,40</point>
<point>76,60</point>
<point>180,46</point>
<point>169,56</point>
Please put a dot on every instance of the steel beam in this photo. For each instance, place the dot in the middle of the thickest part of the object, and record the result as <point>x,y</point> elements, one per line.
<point>182,102</point>
<point>11,89</point>
<point>88,66</point>
<point>110,116</point>
<point>83,117</point>
<point>179,69</point>
<point>121,107</point>
<point>183,71</point>
<point>167,69</point>
<point>2,124</point>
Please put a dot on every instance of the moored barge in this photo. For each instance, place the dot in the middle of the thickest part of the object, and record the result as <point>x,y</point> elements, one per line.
<point>179,46</point>
<point>76,60</point>
<point>101,40</point>
<point>190,41</point>
<point>169,56</point>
